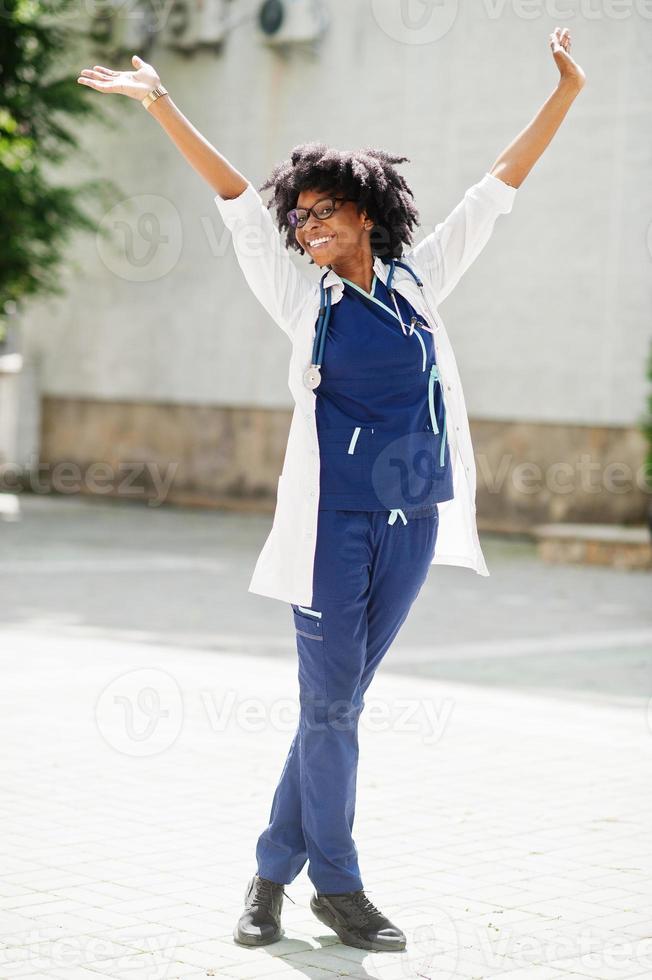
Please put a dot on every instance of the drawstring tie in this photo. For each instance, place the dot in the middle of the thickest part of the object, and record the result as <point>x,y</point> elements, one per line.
<point>393,514</point>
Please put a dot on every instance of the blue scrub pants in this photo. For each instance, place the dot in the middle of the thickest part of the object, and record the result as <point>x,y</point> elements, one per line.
<point>367,574</point>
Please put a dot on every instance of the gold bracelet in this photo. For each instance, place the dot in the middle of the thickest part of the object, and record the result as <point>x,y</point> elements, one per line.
<point>152,96</point>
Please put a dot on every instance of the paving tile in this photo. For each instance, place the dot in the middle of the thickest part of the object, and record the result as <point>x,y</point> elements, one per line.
<point>523,828</point>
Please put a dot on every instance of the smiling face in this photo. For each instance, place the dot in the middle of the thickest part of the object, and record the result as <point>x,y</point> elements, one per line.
<point>336,240</point>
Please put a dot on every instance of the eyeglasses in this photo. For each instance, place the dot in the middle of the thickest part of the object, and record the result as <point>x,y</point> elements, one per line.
<point>323,209</point>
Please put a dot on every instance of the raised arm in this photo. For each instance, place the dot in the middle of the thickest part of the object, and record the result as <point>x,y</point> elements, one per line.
<point>447,252</point>
<point>515,162</point>
<point>200,154</point>
<point>270,273</point>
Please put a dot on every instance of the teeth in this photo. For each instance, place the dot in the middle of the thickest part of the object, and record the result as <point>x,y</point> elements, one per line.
<point>320,241</point>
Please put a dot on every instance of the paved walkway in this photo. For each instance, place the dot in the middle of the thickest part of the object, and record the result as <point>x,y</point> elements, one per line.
<point>504,826</point>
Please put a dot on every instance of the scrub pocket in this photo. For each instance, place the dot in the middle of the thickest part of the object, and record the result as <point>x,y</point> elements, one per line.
<point>344,457</point>
<point>307,624</point>
<point>310,649</point>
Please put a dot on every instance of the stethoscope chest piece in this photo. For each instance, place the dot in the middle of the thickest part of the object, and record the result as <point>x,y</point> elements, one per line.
<point>312,377</point>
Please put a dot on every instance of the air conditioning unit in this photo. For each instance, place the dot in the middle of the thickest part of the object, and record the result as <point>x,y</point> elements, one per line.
<point>119,27</point>
<point>291,21</point>
<point>191,24</point>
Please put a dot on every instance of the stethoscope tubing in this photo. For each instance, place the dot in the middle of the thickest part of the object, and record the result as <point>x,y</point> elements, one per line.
<point>325,311</point>
<point>322,329</point>
<point>322,324</point>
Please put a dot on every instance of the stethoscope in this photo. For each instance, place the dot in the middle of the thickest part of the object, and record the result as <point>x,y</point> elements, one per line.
<point>312,375</point>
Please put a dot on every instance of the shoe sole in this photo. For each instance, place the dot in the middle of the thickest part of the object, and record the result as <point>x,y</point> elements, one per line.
<point>349,939</point>
<point>252,941</point>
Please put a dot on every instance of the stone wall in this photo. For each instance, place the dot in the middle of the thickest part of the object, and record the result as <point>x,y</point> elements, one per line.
<point>528,473</point>
<point>531,472</point>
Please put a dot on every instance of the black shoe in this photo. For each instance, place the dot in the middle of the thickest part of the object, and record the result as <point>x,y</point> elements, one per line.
<point>357,921</point>
<point>260,923</point>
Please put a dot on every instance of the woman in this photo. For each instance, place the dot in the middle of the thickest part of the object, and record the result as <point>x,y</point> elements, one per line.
<point>378,480</point>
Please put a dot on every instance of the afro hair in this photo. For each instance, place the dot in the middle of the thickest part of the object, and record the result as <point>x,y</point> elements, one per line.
<point>367,175</point>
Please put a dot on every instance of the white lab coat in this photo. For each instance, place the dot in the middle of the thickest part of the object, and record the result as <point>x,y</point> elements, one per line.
<point>284,569</point>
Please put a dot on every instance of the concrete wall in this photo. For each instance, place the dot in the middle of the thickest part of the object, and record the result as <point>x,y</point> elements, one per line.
<point>550,325</point>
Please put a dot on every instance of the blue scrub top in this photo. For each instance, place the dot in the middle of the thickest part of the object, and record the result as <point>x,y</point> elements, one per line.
<point>377,444</point>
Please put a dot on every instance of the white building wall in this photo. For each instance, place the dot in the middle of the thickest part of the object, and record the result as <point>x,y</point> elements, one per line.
<point>552,323</point>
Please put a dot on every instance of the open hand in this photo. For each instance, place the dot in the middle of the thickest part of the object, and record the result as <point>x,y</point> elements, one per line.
<point>560,44</point>
<point>135,84</point>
